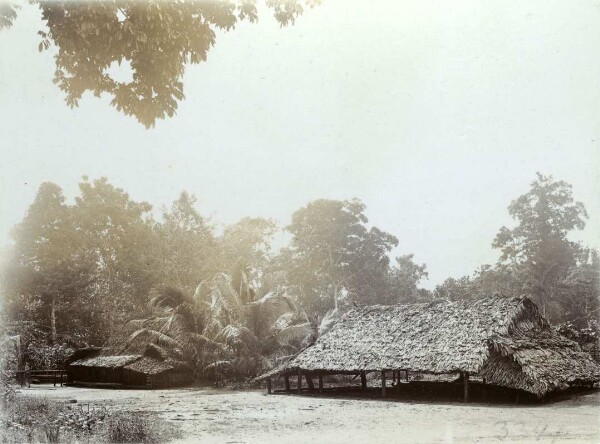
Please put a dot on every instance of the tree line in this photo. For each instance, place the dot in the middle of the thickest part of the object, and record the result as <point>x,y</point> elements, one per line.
<point>79,270</point>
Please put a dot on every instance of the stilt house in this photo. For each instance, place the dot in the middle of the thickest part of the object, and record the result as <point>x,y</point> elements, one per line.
<point>501,341</point>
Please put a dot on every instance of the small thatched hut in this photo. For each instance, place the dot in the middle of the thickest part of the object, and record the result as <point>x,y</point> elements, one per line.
<point>502,341</point>
<point>131,357</point>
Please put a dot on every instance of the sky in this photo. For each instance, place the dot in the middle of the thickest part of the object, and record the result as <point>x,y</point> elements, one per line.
<point>435,114</point>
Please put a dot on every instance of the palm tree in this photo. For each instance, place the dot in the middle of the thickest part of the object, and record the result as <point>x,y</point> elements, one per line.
<point>177,329</point>
<point>255,332</point>
<point>225,330</point>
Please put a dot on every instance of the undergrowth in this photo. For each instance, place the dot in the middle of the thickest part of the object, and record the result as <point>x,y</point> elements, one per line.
<point>27,420</point>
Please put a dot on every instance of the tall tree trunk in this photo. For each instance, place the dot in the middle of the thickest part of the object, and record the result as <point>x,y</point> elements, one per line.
<point>53,320</point>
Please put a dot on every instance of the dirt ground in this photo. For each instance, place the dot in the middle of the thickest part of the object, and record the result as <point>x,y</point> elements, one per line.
<point>252,416</point>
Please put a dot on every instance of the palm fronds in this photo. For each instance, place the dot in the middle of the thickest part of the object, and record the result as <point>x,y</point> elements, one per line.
<point>167,298</point>
<point>294,334</point>
<point>239,339</point>
<point>228,295</point>
<point>218,366</point>
<point>202,295</point>
<point>163,353</point>
<point>223,330</point>
<point>330,318</point>
<point>152,336</point>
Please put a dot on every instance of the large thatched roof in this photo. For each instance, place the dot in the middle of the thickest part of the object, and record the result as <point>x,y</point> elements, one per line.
<point>134,348</point>
<point>451,337</point>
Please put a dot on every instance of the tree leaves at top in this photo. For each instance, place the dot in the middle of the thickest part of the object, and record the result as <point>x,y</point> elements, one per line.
<point>8,14</point>
<point>156,39</point>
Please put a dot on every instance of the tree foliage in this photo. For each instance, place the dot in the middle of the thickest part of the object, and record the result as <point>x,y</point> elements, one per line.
<point>82,268</point>
<point>538,247</point>
<point>185,245</point>
<point>546,214</point>
<point>245,252</point>
<point>154,39</point>
<point>334,255</point>
<point>405,278</point>
<point>46,272</point>
<point>8,13</point>
<point>115,237</point>
<point>538,259</point>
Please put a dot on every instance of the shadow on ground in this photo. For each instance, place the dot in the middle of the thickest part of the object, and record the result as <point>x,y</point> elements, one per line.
<point>448,393</point>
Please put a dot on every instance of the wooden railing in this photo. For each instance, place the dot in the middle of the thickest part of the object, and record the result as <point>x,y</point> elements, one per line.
<point>54,376</point>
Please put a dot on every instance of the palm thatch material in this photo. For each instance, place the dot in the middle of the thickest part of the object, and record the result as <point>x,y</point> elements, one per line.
<point>503,339</point>
<point>544,362</point>
<point>134,355</point>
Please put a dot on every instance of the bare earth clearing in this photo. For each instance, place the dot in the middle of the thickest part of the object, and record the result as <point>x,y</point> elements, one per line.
<point>223,416</point>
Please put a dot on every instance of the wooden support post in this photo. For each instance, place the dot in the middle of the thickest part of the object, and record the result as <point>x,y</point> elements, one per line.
<point>299,387</point>
<point>483,390</point>
<point>466,386</point>
<point>286,377</point>
<point>363,380</point>
<point>383,390</point>
<point>269,386</point>
<point>309,381</point>
<point>320,382</point>
<point>406,375</point>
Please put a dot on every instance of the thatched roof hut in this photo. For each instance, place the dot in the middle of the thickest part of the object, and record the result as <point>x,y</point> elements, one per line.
<point>504,340</point>
<point>131,356</point>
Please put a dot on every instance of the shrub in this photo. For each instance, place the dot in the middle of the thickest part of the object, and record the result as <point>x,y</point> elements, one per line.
<point>43,356</point>
<point>30,420</point>
<point>123,427</point>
